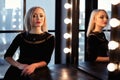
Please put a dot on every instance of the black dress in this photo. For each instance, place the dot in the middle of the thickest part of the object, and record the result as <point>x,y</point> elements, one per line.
<point>33,48</point>
<point>97,45</point>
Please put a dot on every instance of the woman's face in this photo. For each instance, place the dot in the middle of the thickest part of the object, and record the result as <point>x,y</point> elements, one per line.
<point>101,19</point>
<point>38,18</point>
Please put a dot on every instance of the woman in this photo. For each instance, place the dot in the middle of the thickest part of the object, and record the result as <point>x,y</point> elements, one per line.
<point>97,44</point>
<point>36,46</point>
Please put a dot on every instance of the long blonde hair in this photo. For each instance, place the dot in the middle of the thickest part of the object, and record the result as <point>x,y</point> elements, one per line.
<point>91,25</point>
<point>28,19</point>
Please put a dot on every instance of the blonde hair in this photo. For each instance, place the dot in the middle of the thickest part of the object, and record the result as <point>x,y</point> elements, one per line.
<point>28,19</point>
<point>91,25</point>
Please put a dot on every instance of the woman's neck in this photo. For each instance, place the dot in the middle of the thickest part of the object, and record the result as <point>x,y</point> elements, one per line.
<point>36,31</point>
<point>97,29</point>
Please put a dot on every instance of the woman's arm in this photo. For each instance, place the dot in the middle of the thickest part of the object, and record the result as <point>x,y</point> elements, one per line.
<point>14,63</point>
<point>27,69</point>
<point>92,43</point>
<point>102,59</point>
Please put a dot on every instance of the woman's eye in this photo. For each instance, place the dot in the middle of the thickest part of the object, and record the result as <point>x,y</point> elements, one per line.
<point>101,17</point>
<point>34,15</point>
<point>41,15</point>
<point>37,16</point>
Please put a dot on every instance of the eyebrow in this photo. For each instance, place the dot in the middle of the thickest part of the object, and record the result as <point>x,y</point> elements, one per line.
<point>38,13</point>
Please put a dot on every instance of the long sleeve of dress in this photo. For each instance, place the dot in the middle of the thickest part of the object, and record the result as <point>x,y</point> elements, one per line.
<point>92,43</point>
<point>50,43</point>
<point>13,47</point>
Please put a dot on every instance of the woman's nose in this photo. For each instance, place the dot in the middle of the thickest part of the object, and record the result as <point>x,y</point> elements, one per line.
<point>38,17</point>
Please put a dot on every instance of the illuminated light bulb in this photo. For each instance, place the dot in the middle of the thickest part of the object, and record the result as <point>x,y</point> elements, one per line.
<point>67,6</point>
<point>113,45</point>
<point>67,20</point>
<point>114,22</point>
<point>111,67</point>
<point>67,50</point>
<point>115,2</point>
<point>67,35</point>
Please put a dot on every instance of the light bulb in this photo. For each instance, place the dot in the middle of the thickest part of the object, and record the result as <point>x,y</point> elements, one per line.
<point>111,67</point>
<point>115,2</point>
<point>67,5</point>
<point>113,45</point>
<point>67,50</point>
<point>67,35</point>
<point>114,22</point>
<point>67,20</point>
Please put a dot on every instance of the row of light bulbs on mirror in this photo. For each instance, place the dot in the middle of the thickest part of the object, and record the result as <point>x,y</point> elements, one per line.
<point>115,2</point>
<point>67,21</point>
<point>112,45</point>
<point>114,22</point>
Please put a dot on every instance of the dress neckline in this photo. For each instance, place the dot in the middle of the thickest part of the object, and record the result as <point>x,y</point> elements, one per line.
<point>36,34</point>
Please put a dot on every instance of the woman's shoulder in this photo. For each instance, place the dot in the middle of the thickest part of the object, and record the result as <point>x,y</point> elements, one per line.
<point>48,35</point>
<point>96,34</point>
<point>92,35</point>
<point>21,34</point>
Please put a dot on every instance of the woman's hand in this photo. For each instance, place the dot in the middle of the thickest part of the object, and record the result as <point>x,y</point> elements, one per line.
<point>28,69</point>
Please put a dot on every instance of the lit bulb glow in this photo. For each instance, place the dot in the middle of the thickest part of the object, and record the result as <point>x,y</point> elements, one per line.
<point>111,67</point>
<point>115,2</point>
<point>112,45</point>
<point>67,20</point>
<point>67,50</point>
<point>67,6</point>
<point>114,22</point>
<point>67,35</point>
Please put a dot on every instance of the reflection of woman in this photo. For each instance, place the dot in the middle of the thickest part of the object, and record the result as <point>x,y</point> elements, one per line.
<point>36,47</point>
<point>97,44</point>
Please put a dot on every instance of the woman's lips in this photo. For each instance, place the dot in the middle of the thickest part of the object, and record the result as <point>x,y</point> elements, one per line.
<point>38,22</point>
